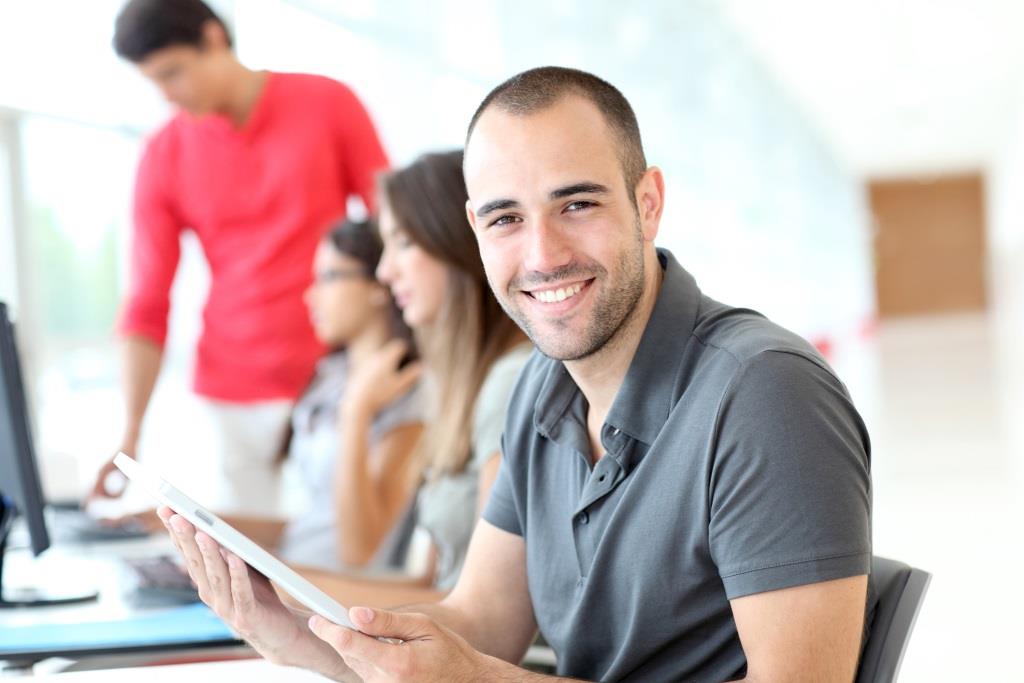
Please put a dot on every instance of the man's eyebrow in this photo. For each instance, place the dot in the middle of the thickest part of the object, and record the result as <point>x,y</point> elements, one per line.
<point>497,205</point>
<point>559,193</point>
<point>578,188</point>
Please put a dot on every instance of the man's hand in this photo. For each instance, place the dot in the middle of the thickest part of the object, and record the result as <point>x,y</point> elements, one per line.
<point>247,602</point>
<point>104,485</point>
<point>429,652</point>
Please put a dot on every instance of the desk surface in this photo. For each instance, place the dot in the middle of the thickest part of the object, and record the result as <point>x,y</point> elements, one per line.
<point>248,670</point>
<point>69,628</point>
<point>93,566</point>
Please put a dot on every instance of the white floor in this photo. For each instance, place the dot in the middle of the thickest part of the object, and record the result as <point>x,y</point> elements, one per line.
<point>947,421</point>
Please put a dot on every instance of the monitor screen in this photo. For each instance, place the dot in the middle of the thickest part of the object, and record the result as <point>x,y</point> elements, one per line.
<point>19,477</point>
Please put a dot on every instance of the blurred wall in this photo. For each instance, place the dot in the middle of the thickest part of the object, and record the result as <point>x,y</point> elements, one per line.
<point>757,208</point>
<point>1006,220</point>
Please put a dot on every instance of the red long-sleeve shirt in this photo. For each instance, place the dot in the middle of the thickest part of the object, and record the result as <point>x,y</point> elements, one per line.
<point>259,198</point>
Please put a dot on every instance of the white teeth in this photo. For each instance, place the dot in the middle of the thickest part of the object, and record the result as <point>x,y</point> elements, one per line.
<point>551,296</point>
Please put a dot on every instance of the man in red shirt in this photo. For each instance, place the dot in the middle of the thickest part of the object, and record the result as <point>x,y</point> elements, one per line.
<point>257,164</point>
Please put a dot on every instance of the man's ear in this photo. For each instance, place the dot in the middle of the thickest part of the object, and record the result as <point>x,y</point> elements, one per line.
<point>471,216</point>
<point>214,35</point>
<point>650,201</point>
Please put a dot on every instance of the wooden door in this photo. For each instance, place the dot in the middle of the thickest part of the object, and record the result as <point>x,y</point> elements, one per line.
<point>929,245</point>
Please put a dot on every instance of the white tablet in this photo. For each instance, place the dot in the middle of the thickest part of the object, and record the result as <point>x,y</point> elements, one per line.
<point>222,532</point>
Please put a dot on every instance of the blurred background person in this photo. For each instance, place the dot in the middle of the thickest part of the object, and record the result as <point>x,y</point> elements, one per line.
<point>472,353</point>
<point>254,163</point>
<point>353,432</point>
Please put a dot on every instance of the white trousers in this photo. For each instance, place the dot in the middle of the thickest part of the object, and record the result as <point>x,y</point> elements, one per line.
<point>248,439</point>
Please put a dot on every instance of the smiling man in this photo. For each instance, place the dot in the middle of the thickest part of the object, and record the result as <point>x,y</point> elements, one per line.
<point>685,490</point>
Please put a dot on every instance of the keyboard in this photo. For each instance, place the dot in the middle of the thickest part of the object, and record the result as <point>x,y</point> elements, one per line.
<point>72,525</point>
<point>158,580</point>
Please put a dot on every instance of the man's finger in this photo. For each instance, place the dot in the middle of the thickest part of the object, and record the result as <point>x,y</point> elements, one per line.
<point>354,647</point>
<point>184,533</point>
<point>241,588</point>
<point>387,624</point>
<point>243,597</point>
<point>216,574</point>
<point>99,490</point>
<point>165,514</point>
<point>99,487</point>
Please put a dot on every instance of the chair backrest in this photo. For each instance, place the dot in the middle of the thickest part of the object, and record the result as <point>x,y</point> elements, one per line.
<point>896,592</point>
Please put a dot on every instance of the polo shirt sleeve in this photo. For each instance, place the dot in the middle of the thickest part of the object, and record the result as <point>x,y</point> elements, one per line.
<point>155,249</point>
<point>362,153</point>
<point>790,485</point>
<point>501,507</point>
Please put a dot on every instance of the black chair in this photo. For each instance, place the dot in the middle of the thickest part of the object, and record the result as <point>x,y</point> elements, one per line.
<point>896,591</point>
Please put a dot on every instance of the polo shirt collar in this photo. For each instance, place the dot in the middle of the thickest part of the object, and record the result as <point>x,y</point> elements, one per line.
<point>645,399</point>
<point>648,392</point>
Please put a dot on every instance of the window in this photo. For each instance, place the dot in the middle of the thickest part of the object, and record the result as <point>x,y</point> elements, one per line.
<point>77,181</point>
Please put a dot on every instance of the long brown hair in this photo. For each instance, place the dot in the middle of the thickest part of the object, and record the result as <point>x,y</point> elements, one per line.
<point>428,201</point>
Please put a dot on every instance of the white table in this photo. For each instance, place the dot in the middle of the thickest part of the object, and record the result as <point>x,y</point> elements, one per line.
<point>96,566</point>
<point>243,671</point>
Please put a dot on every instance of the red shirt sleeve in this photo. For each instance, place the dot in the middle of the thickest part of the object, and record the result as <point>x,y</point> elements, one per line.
<point>155,250</point>
<point>361,150</point>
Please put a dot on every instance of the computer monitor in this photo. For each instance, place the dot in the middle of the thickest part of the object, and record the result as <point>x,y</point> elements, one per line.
<point>20,490</point>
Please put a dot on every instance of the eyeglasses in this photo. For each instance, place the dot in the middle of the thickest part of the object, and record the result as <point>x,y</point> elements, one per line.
<point>336,274</point>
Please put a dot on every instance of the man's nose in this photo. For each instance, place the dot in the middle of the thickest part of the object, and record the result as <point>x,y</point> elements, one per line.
<point>548,248</point>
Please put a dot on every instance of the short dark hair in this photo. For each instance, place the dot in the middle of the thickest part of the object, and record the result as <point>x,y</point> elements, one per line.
<point>537,89</point>
<point>359,240</point>
<point>145,26</point>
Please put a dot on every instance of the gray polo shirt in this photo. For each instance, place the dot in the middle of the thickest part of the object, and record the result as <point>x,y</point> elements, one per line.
<point>735,464</point>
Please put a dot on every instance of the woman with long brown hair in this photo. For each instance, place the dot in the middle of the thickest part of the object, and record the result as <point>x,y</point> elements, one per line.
<point>472,351</point>
<point>471,354</point>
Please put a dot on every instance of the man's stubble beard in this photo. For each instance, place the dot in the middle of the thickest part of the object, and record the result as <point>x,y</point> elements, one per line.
<point>610,315</point>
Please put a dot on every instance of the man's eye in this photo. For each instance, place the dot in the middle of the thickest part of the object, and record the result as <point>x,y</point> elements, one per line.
<point>579,205</point>
<point>503,220</point>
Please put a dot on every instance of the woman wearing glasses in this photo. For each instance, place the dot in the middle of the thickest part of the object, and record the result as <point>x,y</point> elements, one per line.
<point>354,431</point>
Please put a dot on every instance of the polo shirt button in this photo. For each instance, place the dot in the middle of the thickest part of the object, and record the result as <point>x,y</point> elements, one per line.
<point>584,517</point>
